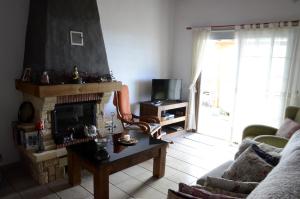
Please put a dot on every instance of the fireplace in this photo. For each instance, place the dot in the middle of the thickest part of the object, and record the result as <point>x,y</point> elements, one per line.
<point>64,115</point>
<point>70,120</point>
<point>63,106</point>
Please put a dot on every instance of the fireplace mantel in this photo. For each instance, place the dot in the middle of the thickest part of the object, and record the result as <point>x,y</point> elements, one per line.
<point>66,89</point>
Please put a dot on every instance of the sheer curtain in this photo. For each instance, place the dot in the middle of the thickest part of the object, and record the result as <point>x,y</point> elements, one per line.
<point>200,37</point>
<point>267,76</point>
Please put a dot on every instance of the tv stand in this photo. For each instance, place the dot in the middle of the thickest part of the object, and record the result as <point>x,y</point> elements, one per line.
<point>172,114</point>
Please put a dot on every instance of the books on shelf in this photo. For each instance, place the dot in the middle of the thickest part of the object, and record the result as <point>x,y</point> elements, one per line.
<point>175,128</point>
<point>167,116</point>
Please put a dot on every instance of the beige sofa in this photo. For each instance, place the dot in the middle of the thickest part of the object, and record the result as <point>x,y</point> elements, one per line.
<point>282,182</point>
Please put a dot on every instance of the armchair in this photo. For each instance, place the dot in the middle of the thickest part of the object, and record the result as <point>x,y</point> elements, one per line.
<point>266,134</point>
<point>148,124</point>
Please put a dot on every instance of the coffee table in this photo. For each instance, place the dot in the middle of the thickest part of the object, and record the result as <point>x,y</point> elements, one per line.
<point>121,157</point>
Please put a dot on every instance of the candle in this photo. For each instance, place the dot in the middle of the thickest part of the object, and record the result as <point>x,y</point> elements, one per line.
<point>126,137</point>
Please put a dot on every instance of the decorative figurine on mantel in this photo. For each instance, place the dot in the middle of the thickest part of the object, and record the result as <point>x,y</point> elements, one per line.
<point>75,76</point>
<point>112,77</point>
<point>45,78</point>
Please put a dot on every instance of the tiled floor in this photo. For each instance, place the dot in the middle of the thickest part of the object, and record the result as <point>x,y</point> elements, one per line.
<point>191,156</point>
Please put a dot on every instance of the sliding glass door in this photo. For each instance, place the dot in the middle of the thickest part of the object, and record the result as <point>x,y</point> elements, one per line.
<point>264,72</point>
<point>217,88</point>
<point>245,80</point>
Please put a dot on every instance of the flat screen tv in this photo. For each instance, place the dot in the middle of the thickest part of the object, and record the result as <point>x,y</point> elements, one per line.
<point>166,89</point>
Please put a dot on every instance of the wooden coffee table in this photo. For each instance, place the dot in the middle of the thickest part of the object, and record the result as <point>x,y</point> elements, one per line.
<point>121,157</point>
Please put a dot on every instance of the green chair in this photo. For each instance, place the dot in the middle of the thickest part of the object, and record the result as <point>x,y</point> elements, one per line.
<point>266,134</point>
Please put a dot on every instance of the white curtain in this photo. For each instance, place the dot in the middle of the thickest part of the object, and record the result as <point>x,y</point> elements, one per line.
<point>200,37</point>
<point>267,75</point>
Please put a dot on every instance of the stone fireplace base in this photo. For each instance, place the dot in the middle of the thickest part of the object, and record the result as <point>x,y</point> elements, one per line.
<point>47,166</point>
<point>51,164</point>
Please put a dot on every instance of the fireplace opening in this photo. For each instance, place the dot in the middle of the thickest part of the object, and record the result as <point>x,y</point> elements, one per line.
<point>69,120</point>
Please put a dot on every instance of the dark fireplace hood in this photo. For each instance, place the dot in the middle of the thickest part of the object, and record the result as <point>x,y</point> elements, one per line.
<point>48,39</point>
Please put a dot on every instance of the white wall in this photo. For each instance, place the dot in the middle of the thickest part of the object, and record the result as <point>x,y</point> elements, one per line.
<point>13,20</point>
<point>138,39</point>
<point>218,12</point>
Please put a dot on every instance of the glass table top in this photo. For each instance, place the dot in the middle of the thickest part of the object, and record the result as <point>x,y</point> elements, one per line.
<point>116,150</point>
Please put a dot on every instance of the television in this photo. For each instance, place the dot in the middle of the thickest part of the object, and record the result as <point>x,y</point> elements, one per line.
<point>166,89</point>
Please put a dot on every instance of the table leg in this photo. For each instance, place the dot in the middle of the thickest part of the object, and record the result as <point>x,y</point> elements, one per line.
<point>159,163</point>
<point>74,169</point>
<point>101,184</point>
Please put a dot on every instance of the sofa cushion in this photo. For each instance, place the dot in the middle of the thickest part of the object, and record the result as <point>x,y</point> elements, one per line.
<point>221,191</point>
<point>230,185</point>
<point>179,195</point>
<point>288,128</point>
<point>283,182</point>
<point>201,193</point>
<point>248,167</point>
<point>274,151</point>
<point>292,145</point>
<point>217,172</point>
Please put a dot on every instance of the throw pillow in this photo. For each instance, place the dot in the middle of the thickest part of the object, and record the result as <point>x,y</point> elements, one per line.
<point>274,151</point>
<point>215,190</point>
<point>248,167</point>
<point>179,195</point>
<point>201,193</point>
<point>267,157</point>
<point>230,185</point>
<point>243,146</point>
<point>288,128</point>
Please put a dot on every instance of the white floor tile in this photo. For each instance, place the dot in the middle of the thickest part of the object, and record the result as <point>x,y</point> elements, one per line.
<point>135,170</point>
<point>131,186</point>
<point>118,177</point>
<point>177,176</point>
<point>149,193</point>
<point>116,193</point>
<point>76,192</point>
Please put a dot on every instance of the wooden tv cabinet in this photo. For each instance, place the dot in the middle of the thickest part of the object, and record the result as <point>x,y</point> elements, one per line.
<point>179,109</point>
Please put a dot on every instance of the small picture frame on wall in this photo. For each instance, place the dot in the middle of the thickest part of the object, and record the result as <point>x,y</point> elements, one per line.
<point>76,38</point>
<point>26,76</point>
<point>30,140</point>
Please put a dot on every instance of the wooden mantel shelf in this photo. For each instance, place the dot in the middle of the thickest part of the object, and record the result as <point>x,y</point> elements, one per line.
<point>67,89</point>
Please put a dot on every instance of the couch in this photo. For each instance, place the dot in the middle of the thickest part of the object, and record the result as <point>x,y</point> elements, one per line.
<point>282,182</point>
<point>284,179</point>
